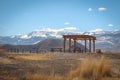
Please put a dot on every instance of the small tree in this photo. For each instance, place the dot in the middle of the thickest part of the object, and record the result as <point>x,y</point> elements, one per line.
<point>98,51</point>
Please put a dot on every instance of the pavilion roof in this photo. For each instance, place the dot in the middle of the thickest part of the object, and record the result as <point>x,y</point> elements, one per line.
<point>87,37</point>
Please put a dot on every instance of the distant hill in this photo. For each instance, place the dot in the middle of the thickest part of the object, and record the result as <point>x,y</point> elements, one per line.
<point>49,43</point>
<point>55,43</point>
<point>46,45</point>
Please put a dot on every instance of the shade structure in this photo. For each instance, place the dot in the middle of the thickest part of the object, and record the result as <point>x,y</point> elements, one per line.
<point>86,38</point>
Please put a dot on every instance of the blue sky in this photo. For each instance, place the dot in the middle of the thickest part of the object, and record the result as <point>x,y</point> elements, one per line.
<point>24,16</point>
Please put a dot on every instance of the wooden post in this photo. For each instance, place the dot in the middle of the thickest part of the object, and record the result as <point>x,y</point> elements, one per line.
<point>85,45</point>
<point>74,45</point>
<point>89,45</point>
<point>69,44</point>
<point>64,44</point>
<point>94,46</point>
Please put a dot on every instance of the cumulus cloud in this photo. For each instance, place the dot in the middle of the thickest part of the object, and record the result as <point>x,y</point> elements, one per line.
<point>110,25</point>
<point>90,9</point>
<point>102,9</point>
<point>66,23</point>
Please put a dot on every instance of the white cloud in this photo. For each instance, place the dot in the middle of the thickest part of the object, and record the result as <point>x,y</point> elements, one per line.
<point>96,30</point>
<point>102,9</point>
<point>70,28</point>
<point>110,25</point>
<point>90,9</point>
<point>66,23</point>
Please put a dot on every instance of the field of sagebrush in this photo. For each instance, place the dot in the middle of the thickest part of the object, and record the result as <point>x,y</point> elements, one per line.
<point>59,66</point>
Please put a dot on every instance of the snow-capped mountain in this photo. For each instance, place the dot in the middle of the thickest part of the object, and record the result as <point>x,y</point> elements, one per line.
<point>106,40</point>
<point>35,36</point>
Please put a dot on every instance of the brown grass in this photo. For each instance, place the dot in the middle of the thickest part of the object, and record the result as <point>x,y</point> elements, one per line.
<point>33,57</point>
<point>30,76</point>
<point>5,61</point>
<point>3,53</point>
<point>91,68</point>
<point>3,57</point>
<point>10,78</point>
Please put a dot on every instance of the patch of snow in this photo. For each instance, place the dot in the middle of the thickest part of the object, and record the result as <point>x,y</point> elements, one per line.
<point>105,42</point>
<point>36,42</point>
<point>97,31</point>
<point>25,36</point>
<point>116,32</point>
<point>13,36</point>
<point>45,32</point>
<point>103,38</point>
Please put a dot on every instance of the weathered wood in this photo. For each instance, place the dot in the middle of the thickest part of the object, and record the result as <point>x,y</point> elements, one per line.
<point>79,37</point>
<point>87,37</point>
<point>69,44</point>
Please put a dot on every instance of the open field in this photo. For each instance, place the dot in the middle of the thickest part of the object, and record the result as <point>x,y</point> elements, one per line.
<point>59,66</point>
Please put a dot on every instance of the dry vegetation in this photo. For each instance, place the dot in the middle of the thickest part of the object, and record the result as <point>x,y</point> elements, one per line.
<point>33,57</point>
<point>30,76</point>
<point>59,66</point>
<point>91,68</point>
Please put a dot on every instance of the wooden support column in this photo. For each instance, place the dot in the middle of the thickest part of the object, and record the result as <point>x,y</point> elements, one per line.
<point>89,45</point>
<point>74,45</point>
<point>85,45</point>
<point>94,46</point>
<point>69,44</point>
<point>64,44</point>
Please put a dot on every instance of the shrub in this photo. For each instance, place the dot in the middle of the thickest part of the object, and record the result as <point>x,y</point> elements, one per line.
<point>108,52</point>
<point>2,53</point>
<point>98,51</point>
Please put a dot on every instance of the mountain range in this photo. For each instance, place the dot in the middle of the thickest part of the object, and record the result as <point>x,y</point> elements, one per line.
<point>106,40</point>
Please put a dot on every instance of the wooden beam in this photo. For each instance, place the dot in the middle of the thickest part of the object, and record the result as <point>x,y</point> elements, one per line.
<point>87,37</point>
<point>69,44</point>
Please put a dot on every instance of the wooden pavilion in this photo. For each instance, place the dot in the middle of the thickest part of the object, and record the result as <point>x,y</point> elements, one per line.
<point>86,38</point>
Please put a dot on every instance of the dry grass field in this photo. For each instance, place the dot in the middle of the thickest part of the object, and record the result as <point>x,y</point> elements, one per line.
<point>59,66</point>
